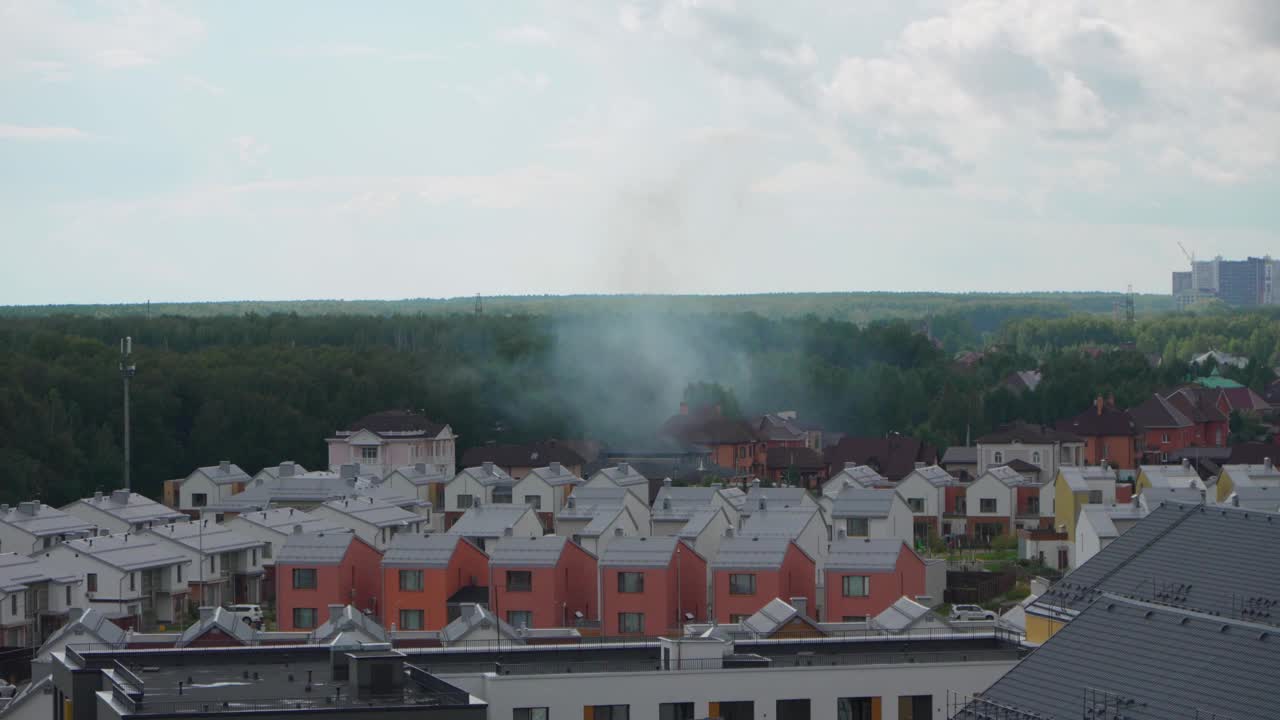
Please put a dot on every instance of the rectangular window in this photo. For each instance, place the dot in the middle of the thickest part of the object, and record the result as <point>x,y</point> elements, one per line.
<point>631,622</point>
<point>304,578</point>
<point>411,580</point>
<point>199,499</point>
<point>962,506</point>
<point>675,711</point>
<point>610,712</point>
<point>538,713</point>
<point>1033,505</point>
<point>915,707</point>
<point>916,504</point>
<point>742,584</point>
<point>737,710</point>
<point>533,501</point>
<point>133,581</point>
<point>502,495</point>
<point>369,454</point>
<point>853,618</point>
<point>855,709</point>
<point>792,710</point>
<point>519,581</point>
<point>177,574</point>
<point>464,501</point>
<point>856,585</point>
<point>304,618</point>
<point>13,604</point>
<point>1164,439</point>
<point>857,527</point>
<point>412,619</point>
<point>266,551</point>
<point>630,582</point>
<point>253,556</point>
<point>520,618</point>
<point>91,582</point>
<point>987,505</point>
<point>1095,497</point>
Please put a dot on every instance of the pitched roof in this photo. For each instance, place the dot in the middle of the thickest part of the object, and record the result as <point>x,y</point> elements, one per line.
<point>751,553</point>
<point>1085,664</point>
<point>205,537</point>
<point>1157,412</point>
<point>348,620</point>
<point>853,474</point>
<point>1027,434</point>
<point>901,615</point>
<point>311,487</point>
<point>127,552</point>
<point>473,617</point>
<point>488,475</point>
<point>776,497</point>
<point>779,522</point>
<point>774,616</point>
<point>860,502</point>
<point>893,457</point>
<point>397,422</point>
<point>18,571</point>
<point>321,548</point>
<point>1188,555</point>
<point>1100,520</point>
<point>1022,466</point>
<point>871,555</point>
<point>218,619</point>
<point>651,552</point>
<point>283,520</point>
<point>698,523</point>
<point>960,455</point>
<point>681,503</point>
<point>421,551</point>
<point>557,475</point>
<point>420,474</point>
<point>91,624</point>
<point>526,455</point>
<point>708,427</point>
<point>227,473</point>
<point>130,507</point>
<point>778,428</point>
<point>622,475</point>
<point>490,520</point>
<point>542,551</point>
<point>1245,399</point>
<point>42,520</point>
<point>1107,421</point>
<point>373,511</point>
<point>800,458</point>
<point>586,502</point>
<point>1199,404</point>
<point>934,475</point>
<point>1005,474</point>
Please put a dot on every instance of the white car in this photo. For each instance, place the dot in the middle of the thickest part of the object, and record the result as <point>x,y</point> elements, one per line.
<point>971,612</point>
<point>251,614</point>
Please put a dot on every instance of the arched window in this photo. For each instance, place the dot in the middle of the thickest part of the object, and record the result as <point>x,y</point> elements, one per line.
<point>1035,458</point>
<point>998,458</point>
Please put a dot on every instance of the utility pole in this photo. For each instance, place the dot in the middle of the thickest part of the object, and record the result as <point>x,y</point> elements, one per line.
<point>127,370</point>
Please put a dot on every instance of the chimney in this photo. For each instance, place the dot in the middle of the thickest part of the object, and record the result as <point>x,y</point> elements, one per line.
<point>488,468</point>
<point>755,482</point>
<point>206,613</point>
<point>335,612</point>
<point>801,604</point>
<point>420,468</point>
<point>508,532</point>
<point>224,466</point>
<point>347,472</point>
<point>1186,462</point>
<point>120,497</point>
<point>1099,403</point>
<point>617,532</point>
<point>1268,464</point>
<point>684,408</point>
<point>849,464</point>
<point>624,468</point>
<point>97,495</point>
<point>287,468</point>
<point>29,507</point>
<point>666,482</point>
<point>554,465</point>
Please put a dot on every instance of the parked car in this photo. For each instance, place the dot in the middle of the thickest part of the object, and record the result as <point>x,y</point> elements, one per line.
<point>971,612</point>
<point>251,614</point>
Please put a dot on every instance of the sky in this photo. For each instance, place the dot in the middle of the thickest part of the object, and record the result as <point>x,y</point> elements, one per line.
<point>175,151</point>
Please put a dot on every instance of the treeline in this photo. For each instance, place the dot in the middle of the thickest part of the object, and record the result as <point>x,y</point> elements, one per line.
<point>258,389</point>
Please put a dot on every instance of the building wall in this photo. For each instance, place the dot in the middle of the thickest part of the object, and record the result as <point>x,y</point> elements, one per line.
<point>1118,450</point>
<point>987,487</point>
<point>914,486</point>
<point>1040,629</point>
<point>668,593</point>
<point>355,581</point>
<point>438,585</point>
<point>558,592</point>
<point>794,579</point>
<point>907,579</point>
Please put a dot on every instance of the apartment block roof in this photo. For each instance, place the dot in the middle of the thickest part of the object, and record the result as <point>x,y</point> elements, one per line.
<point>374,511</point>
<point>421,551</point>
<point>1028,434</point>
<point>544,551</point>
<point>751,553</point>
<point>283,520</point>
<point>205,537</point>
<point>1090,663</point>
<point>871,555</point>
<point>224,473</point>
<point>130,507</point>
<point>41,520</point>
<point>489,521</point>
<point>863,502</point>
<point>126,551</point>
<point>488,475</point>
<point>1212,559</point>
<point>320,548</point>
<point>19,571</point>
<point>649,552</point>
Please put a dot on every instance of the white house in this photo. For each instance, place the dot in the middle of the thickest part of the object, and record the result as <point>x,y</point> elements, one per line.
<point>853,474</point>
<point>991,501</point>
<point>673,507</point>
<point>211,485</point>
<point>704,530</point>
<point>485,484</point>
<point>1032,449</point>
<point>805,525</point>
<point>1094,531</point>
<point>484,525</point>
<point>32,526</point>
<point>924,489</point>
<point>286,468</point>
<point>870,512</point>
<point>226,565</point>
<point>545,489</point>
<point>30,591</point>
<point>580,506</point>
<point>128,577</point>
<point>273,527</point>
<point>386,440</point>
<point>622,476</point>
<point>372,520</point>
<point>423,481</point>
<point>122,511</point>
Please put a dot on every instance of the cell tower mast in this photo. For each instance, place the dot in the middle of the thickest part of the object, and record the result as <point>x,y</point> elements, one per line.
<point>127,370</point>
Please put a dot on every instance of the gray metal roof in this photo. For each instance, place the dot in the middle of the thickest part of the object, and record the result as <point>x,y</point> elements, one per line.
<point>541,551</point>
<point>487,521</point>
<point>474,617</point>
<point>205,537</point>
<point>1172,651</point>
<point>373,511</point>
<point>1153,497</point>
<point>222,475</point>
<point>128,552</point>
<point>44,521</point>
<point>291,468</point>
<point>622,475</point>
<point>1078,477</point>
<point>586,502</point>
<point>935,475</point>
<point>88,627</point>
<point>865,555</point>
<point>960,455</point>
<point>18,571</point>
<point>488,475</point>
<point>556,476</point>
<point>600,522</point>
<point>860,502</point>
<point>771,618</point>
<point>861,475</point>
<point>654,552</point>
<point>348,620</point>
<point>779,522</point>
<point>421,551</point>
<point>751,553</point>
<point>1100,519</point>
<point>776,497</point>
<point>681,503</point>
<point>322,548</point>
<point>1259,497</point>
<point>131,507</point>
<point>420,474</point>
<point>218,619</point>
<point>1171,475</point>
<point>1213,559</point>
<point>698,522</point>
<point>1253,475</point>
<point>1006,475</point>
<point>900,616</point>
<point>283,520</point>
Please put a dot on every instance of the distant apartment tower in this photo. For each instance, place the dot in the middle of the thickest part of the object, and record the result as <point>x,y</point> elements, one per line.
<point>1241,283</point>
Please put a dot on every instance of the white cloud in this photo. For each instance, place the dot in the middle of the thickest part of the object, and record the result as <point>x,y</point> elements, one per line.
<point>195,82</point>
<point>50,71</point>
<point>526,35</point>
<point>250,149</point>
<point>36,133</point>
<point>116,35</point>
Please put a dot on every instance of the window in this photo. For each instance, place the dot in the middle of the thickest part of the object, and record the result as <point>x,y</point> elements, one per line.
<point>13,604</point>
<point>742,584</point>
<point>631,622</point>
<point>502,495</point>
<point>611,712</point>
<point>411,619</point>
<point>1095,497</point>
<point>857,527</point>
<point>739,710</point>
<point>1164,439</point>
<point>304,618</point>
<point>675,711</point>
<point>520,618</point>
<point>1035,458</point>
<point>519,581</point>
<point>91,582</point>
<point>464,501</point>
<point>410,580</point>
<point>533,501</point>
<point>855,709</point>
<point>855,585</point>
<point>997,457</point>
<point>987,505</point>
<point>915,707</point>
<point>539,713</point>
<point>369,453</point>
<point>68,589</point>
<point>962,506</point>
<point>266,551</point>
<point>199,499</point>
<point>304,578</point>
<point>213,564</point>
<point>630,582</point>
<point>792,710</point>
<point>1033,505</point>
<point>916,504</point>
<point>177,574</point>
<point>253,556</point>
<point>133,581</point>
<point>853,618</point>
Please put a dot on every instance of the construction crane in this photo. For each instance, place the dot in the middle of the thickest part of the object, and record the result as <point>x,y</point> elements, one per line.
<point>1191,257</point>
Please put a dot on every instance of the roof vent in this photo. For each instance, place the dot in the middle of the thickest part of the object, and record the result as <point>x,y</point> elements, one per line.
<point>420,468</point>
<point>728,532</point>
<point>224,466</point>
<point>763,503</point>
<point>29,507</point>
<point>120,497</point>
<point>624,468</point>
<point>554,466</point>
<point>287,469</point>
<point>508,532</point>
<point>1267,464</point>
<point>488,467</point>
<point>666,482</point>
<point>297,529</point>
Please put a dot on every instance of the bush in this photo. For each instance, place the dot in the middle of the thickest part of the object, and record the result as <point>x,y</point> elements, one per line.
<point>1004,542</point>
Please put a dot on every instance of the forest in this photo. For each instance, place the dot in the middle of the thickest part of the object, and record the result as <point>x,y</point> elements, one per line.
<point>260,388</point>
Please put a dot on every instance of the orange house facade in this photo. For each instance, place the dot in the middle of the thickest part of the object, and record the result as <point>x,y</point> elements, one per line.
<point>865,576</point>
<point>542,582</point>
<point>314,571</point>
<point>651,586</point>
<point>1109,434</point>
<point>748,572</point>
<point>421,573</point>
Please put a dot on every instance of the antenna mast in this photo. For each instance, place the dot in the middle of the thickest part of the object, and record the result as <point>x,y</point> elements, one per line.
<point>479,305</point>
<point>127,370</point>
